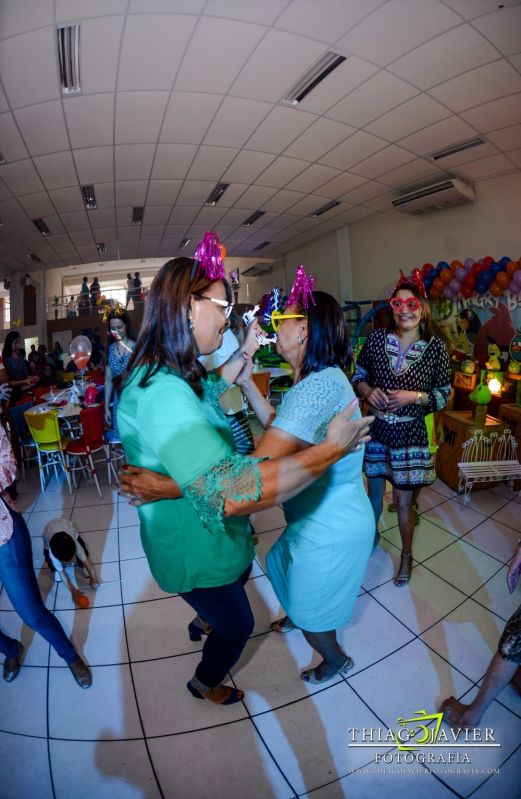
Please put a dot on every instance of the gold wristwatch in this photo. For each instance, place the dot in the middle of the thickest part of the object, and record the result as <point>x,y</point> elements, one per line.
<point>419,397</point>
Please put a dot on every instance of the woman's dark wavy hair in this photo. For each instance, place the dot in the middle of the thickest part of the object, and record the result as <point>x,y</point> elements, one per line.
<point>427,326</point>
<point>8,344</point>
<point>123,317</point>
<point>165,338</point>
<point>327,335</point>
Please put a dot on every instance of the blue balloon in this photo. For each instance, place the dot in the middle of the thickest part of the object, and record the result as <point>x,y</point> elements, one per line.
<point>504,261</point>
<point>442,265</point>
<point>494,269</point>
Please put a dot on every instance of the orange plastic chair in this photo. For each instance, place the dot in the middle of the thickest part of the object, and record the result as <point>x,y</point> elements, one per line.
<point>262,381</point>
<point>50,446</point>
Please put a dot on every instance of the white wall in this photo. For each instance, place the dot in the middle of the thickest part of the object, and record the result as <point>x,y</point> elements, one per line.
<point>382,245</point>
<point>320,257</point>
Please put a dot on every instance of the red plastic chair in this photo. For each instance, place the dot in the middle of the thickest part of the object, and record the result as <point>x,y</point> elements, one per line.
<point>38,392</point>
<point>92,440</point>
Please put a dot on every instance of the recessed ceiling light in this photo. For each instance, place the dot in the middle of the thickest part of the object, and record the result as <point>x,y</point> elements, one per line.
<point>216,194</point>
<point>457,148</point>
<point>69,58</point>
<point>33,257</point>
<point>315,75</point>
<point>324,208</point>
<point>253,218</point>
<point>89,197</point>
<point>261,246</point>
<point>101,248</point>
<point>137,215</point>
<point>184,244</point>
<point>42,227</point>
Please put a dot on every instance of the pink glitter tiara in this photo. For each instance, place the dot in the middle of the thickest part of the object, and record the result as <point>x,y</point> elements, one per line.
<point>302,290</point>
<point>415,278</point>
<point>209,257</point>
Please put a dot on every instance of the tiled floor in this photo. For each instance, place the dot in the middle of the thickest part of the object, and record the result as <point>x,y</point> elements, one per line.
<point>138,733</point>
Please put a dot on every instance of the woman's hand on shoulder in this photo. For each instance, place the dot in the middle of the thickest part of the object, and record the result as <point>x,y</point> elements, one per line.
<point>347,433</point>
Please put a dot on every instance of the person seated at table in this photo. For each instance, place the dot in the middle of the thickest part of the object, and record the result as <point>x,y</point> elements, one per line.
<point>49,376</point>
<point>43,354</point>
<point>63,546</point>
<point>34,372</point>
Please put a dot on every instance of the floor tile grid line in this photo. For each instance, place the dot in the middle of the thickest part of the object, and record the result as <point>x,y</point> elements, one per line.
<point>514,752</point>
<point>468,596</point>
<point>136,700</point>
<point>471,596</point>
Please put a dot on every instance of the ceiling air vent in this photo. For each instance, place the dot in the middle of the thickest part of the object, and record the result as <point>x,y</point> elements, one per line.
<point>101,247</point>
<point>457,148</point>
<point>261,246</point>
<point>184,244</point>
<point>435,197</point>
<point>69,58</point>
<point>3,159</point>
<point>89,197</point>
<point>137,215</point>
<point>216,194</point>
<point>315,75</point>
<point>253,218</point>
<point>42,227</point>
<point>325,208</point>
<point>257,269</point>
<point>33,257</point>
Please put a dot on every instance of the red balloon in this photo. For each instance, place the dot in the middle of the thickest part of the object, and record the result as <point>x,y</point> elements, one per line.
<point>487,261</point>
<point>475,269</point>
<point>483,267</point>
<point>467,291</point>
<point>426,268</point>
<point>469,281</point>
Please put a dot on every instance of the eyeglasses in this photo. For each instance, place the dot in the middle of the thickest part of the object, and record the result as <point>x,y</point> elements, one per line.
<point>227,307</point>
<point>412,304</point>
<point>277,317</point>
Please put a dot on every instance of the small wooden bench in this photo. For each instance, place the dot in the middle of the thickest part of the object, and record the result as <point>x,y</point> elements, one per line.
<point>488,459</point>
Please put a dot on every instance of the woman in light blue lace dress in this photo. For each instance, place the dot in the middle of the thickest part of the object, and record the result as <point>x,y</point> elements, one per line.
<point>317,565</point>
<point>121,340</point>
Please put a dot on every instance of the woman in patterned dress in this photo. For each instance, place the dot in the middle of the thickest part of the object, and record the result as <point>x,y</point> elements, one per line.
<point>403,373</point>
<point>120,343</point>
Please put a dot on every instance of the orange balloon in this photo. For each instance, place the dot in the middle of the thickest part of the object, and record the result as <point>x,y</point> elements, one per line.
<point>496,290</point>
<point>455,264</point>
<point>445,276</point>
<point>502,279</point>
<point>434,293</point>
<point>82,601</point>
<point>224,251</point>
<point>512,267</point>
<point>438,283</point>
<point>81,359</point>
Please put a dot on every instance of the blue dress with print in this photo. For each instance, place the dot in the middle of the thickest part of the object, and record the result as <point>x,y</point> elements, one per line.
<point>317,565</point>
<point>118,365</point>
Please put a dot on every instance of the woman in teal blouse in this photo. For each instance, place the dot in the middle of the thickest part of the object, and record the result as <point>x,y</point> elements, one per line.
<point>170,422</point>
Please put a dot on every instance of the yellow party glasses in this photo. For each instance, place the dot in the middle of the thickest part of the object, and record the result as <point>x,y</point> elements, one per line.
<point>277,318</point>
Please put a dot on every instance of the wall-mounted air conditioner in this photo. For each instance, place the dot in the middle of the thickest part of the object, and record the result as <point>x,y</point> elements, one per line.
<point>256,269</point>
<point>435,197</point>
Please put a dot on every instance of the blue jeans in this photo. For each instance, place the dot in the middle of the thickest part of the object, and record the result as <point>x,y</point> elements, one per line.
<point>17,575</point>
<point>227,610</point>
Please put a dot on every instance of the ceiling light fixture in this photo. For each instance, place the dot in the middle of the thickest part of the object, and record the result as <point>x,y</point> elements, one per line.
<point>101,247</point>
<point>3,159</point>
<point>42,227</point>
<point>315,75</point>
<point>457,148</point>
<point>33,257</point>
<point>216,193</point>
<point>137,215</point>
<point>325,208</point>
<point>261,246</point>
<point>253,218</point>
<point>184,244</point>
<point>89,197</point>
<point>69,58</point>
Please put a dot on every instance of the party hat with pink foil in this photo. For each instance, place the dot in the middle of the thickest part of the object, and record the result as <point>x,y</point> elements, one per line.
<point>415,278</point>
<point>209,257</point>
<point>302,290</point>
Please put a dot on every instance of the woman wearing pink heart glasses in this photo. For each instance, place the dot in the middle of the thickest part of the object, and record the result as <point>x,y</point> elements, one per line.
<point>403,372</point>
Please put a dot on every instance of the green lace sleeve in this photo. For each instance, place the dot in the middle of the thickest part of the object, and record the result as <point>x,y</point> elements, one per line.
<point>236,477</point>
<point>214,387</point>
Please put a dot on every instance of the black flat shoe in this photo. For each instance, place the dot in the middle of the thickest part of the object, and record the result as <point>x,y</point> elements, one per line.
<point>12,665</point>
<point>236,695</point>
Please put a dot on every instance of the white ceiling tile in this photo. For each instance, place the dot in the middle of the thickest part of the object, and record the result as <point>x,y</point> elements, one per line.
<point>416,113</point>
<point>68,199</point>
<point>105,197</point>
<point>506,138</point>
<point>346,77</point>
<point>437,136</point>
<point>99,51</point>
<point>235,121</point>
<point>281,171</point>
<point>94,164</point>
<point>195,192</point>
<point>355,215</point>
<point>152,49</point>
<point>313,177</point>
<point>417,170</point>
<point>201,71</point>
<point>126,233</point>
<point>139,116</point>
<point>485,167</point>
<point>264,13</point>
<point>131,192</point>
<point>165,6</point>
<point>102,218</point>
<point>81,237</point>
<point>4,193</point>
<point>496,114</point>
<point>73,10</point>
<point>515,156</point>
<point>247,166</point>
<point>397,27</point>
<point>12,144</point>
<point>479,86</point>
<point>359,146</point>
<point>128,250</point>
<point>21,177</point>
<point>156,214</point>
<point>188,116</point>
<point>163,192</point>
<point>279,129</point>
<point>173,161</point>
<point>445,56</point>
<point>183,215</point>
<point>211,162</point>
<point>368,191</point>
<point>373,98</point>
<point>283,200</point>
<point>305,17</point>
<point>256,197</point>
<point>210,217</point>
<point>381,203</point>
<point>38,49</point>
<point>389,158</point>
<point>338,186</point>
<point>4,105</point>
<point>154,232</point>
<point>37,205</point>
<point>279,60</point>
<point>309,204</point>
<point>318,139</point>
<point>502,28</point>
<point>515,60</point>
<point>90,119</point>
<point>75,220</point>
<point>24,15</point>
<point>43,127</point>
<point>133,161</point>
<point>475,8</point>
